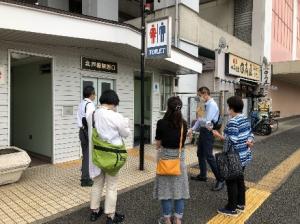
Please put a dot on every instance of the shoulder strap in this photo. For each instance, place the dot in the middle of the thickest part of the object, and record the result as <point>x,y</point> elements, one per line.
<point>93,119</point>
<point>86,106</point>
<point>181,139</point>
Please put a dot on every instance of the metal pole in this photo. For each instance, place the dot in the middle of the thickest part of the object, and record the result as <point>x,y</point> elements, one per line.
<point>142,128</point>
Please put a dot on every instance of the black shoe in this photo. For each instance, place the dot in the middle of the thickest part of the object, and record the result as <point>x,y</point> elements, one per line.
<point>240,208</point>
<point>228,212</point>
<point>96,215</point>
<point>199,178</point>
<point>118,218</point>
<point>87,183</point>
<point>219,186</point>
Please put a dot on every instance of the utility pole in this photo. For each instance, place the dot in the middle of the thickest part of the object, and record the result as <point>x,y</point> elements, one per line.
<point>142,127</point>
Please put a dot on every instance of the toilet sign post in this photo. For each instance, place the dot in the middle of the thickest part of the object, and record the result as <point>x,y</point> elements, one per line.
<point>158,38</point>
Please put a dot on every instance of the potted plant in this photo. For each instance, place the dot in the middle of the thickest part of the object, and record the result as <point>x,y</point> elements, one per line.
<point>13,161</point>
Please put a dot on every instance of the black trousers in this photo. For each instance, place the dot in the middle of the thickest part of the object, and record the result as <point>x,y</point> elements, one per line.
<point>84,140</point>
<point>205,153</point>
<point>236,190</point>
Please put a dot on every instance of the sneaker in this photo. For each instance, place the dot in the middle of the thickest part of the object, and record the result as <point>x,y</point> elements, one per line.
<point>162,220</point>
<point>199,178</point>
<point>227,212</point>
<point>118,218</point>
<point>87,183</point>
<point>219,186</point>
<point>240,208</point>
<point>96,215</point>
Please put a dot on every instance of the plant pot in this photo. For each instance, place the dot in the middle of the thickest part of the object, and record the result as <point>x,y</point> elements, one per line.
<point>13,162</point>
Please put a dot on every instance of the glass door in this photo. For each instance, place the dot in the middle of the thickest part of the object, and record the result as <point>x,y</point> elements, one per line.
<point>105,84</point>
<point>90,82</point>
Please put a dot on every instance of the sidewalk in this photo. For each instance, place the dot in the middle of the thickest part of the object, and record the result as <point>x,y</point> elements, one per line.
<point>45,191</point>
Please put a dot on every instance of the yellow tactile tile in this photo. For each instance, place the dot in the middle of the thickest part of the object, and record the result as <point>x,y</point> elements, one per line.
<point>254,197</point>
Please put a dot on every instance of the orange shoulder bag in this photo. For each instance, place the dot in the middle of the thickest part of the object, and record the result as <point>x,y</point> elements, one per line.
<point>170,167</point>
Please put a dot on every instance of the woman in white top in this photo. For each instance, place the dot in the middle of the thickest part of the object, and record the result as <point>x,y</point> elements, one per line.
<point>111,127</point>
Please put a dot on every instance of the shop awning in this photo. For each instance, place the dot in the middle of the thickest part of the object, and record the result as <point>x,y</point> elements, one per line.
<point>41,25</point>
<point>287,72</point>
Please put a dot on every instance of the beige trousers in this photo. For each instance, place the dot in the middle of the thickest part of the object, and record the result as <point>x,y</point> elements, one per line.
<point>111,192</point>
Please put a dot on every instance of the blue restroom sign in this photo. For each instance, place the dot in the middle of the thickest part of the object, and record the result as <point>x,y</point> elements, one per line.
<point>158,38</point>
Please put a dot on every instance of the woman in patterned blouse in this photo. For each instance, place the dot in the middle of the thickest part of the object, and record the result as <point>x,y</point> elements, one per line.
<point>237,134</point>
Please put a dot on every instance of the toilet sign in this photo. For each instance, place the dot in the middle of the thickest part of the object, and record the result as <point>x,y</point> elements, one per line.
<point>2,78</point>
<point>158,38</point>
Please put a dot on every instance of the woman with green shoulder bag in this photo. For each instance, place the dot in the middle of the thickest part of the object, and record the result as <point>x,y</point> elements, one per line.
<point>107,128</point>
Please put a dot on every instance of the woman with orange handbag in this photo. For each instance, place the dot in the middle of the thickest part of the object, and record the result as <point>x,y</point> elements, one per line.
<point>171,182</point>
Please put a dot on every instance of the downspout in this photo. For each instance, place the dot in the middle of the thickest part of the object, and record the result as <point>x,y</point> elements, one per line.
<point>176,22</point>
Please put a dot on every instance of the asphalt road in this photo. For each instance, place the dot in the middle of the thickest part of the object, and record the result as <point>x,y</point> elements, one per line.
<point>281,207</point>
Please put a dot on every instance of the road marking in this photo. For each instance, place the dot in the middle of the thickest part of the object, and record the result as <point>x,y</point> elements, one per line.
<point>259,193</point>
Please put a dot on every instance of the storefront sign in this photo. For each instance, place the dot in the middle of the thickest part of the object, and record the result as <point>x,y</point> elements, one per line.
<point>98,65</point>
<point>266,74</point>
<point>2,77</point>
<point>158,38</point>
<point>240,67</point>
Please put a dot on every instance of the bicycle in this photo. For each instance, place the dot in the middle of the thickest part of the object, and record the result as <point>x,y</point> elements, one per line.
<point>264,126</point>
<point>273,122</point>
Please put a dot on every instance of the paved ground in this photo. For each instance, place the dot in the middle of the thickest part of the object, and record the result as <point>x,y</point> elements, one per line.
<point>45,191</point>
<point>50,191</point>
<point>140,208</point>
<point>271,151</point>
<point>283,206</point>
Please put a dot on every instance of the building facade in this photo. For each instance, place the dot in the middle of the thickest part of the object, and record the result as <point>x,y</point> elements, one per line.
<point>284,55</point>
<point>45,65</point>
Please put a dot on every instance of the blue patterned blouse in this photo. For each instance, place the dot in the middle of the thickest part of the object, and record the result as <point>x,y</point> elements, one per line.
<point>237,132</point>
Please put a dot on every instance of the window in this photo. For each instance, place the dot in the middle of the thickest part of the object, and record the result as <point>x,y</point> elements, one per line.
<point>166,91</point>
<point>100,86</point>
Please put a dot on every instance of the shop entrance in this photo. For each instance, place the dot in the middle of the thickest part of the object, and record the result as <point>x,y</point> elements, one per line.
<point>137,107</point>
<point>246,91</point>
<point>31,106</point>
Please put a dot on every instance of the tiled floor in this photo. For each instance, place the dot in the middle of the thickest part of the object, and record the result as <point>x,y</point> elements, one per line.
<point>49,189</point>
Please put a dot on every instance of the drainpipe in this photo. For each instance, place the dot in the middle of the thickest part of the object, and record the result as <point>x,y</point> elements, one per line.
<point>176,23</point>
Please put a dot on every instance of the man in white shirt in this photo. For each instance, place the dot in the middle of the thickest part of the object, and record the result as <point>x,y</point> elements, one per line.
<point>85,108</point>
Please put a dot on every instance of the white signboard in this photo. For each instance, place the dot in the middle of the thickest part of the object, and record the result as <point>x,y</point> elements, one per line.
<point>158,38</point>
<point>266,75</point>
<point>2,77</point>
<point>241,67</point>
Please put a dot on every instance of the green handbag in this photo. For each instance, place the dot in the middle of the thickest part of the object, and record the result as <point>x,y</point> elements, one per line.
<point>108,157</point>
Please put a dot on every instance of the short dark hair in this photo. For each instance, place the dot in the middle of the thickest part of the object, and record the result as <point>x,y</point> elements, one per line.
<point>88,91</point>
<point>109,97</point>
<point>203,90</point>
<point>236,104</point>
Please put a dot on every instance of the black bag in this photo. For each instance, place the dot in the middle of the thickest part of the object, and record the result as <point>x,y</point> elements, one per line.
<point>229,164</point>
<point>218,123</point>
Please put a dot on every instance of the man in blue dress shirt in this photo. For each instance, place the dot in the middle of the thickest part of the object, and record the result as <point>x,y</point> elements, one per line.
<point>206,139</point>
